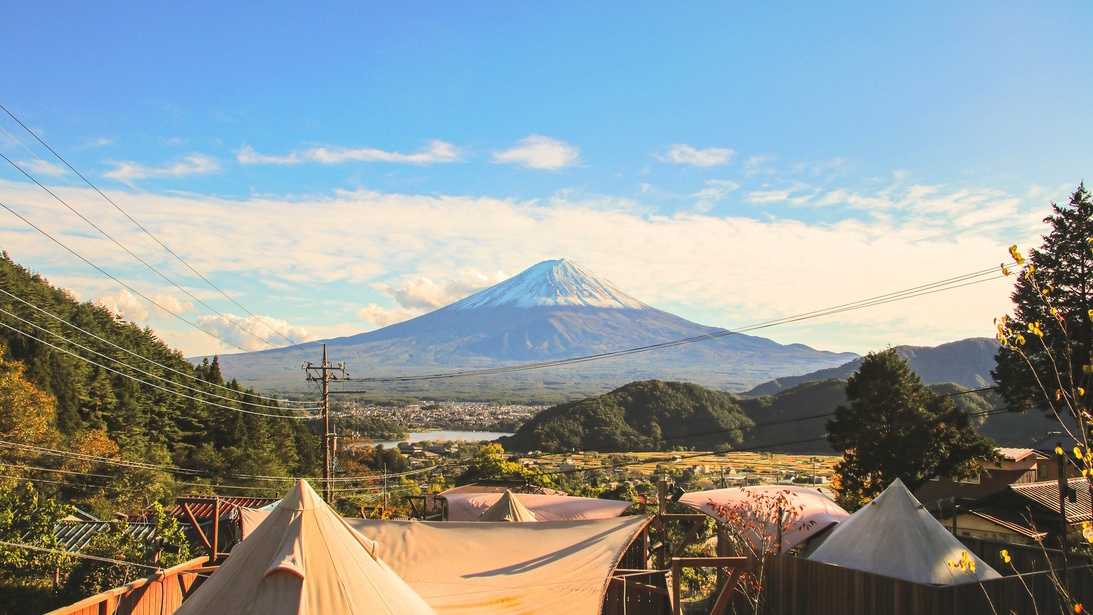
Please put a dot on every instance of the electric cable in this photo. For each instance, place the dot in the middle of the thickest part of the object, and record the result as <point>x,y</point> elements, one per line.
<point>151,384</point>
<point>147,373</point>
<point>139,356</point>
<point>146,231</point>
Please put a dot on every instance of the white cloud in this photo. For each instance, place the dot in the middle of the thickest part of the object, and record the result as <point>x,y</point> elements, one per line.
<point>436,152</point>
<point>259,333</point>
<point>539,152</point>
<point>171,304</point>
<point>722,270</point>
<point>125,304</point>
<point>194,164</point>
<point>759,164</point>
<point>421,293</point>
<point>381,317</point>
<point>680,153</point>
<point>42,167</point>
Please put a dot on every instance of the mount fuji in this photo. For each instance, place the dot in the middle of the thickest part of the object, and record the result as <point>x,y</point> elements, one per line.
<point>554,310</point>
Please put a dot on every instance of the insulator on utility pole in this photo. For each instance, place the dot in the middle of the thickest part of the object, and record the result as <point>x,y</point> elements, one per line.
<point>323,374</point>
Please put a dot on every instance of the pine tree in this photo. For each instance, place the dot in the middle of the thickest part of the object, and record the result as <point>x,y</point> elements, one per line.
<point>896,427</point>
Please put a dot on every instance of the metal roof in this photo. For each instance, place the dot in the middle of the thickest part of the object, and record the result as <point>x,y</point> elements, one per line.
<point>75,535</point>
<point>1046,494</point>
<point>995,516</point>
<point>203,506</point>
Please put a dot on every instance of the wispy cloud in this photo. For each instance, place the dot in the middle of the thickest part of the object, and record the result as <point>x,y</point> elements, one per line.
<point>539,152</point>
<point>435,152</point>
<point>680,153</point>
<point>759,164</point>
<point>715,190</point>
<point>257,333</point>
<point>194,164</point>
<point>380,317</point>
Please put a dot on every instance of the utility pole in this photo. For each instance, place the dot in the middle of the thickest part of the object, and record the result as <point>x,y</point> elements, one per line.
<point>323,373</point>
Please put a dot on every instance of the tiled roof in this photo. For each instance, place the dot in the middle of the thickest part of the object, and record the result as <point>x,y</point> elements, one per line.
<point>75,535</point>
<point>1046,494</point>
<point>203,505</point>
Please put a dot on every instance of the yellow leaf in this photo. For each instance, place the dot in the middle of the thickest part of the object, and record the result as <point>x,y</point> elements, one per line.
<point>1005,271</point>
<point>1005,556</point>
<point>1078,451</point>
<point>1058,450</point>
<point>1016,255</point>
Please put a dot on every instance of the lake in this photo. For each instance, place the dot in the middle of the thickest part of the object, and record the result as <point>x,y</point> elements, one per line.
<point>449,436</point>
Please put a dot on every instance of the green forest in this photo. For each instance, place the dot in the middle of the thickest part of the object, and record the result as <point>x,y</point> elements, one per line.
<point>104,416</point>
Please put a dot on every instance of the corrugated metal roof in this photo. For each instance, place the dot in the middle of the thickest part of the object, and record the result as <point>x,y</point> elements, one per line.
<point>203,506</point>
<point>75,535</point>
<point>1046,494</point>
<point>995,516</point>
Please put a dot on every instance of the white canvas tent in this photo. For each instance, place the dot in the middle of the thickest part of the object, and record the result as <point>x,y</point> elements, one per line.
<point>894,536</point>
<point>508,508</point>
<point>549,567</point>
<point>817,511</point>
<point>304,559</point>
<point>470,506</point>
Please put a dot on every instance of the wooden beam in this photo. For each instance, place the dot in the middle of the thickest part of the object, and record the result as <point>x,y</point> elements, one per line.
<point>197,527</point>
<point>216,528</point>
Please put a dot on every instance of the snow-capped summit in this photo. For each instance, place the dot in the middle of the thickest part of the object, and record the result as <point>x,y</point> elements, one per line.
<point>553,283</point>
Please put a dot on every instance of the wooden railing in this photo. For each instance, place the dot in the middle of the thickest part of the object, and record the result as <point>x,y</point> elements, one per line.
<point>159,594</point>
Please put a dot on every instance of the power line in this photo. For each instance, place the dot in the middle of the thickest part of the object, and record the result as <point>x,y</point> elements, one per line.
<point>118,244</point>
<point>145,231</point>
<point>927,289</point>
<point>111,276</point>
<point>150,384</point>
<point>139,356</point>
<point>137,369</point>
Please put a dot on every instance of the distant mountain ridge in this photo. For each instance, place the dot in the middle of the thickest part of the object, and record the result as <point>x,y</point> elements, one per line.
<point>965,362</point>
<point>555,310</point>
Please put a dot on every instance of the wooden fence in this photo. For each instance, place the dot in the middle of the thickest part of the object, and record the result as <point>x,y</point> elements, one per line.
<point>796,586</point>
<point>160,594</point>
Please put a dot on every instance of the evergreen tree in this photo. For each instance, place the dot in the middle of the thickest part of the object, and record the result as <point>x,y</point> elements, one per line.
<point>1048,341</point>
<point>896,427</point>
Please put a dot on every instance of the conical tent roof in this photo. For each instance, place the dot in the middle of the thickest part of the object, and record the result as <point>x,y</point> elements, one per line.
<point>894,536</point>
<point>508,508</point>
<point>304,559</point>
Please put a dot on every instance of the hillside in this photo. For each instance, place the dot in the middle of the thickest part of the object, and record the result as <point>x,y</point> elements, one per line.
<point>641,416</point>
<point>656,415</point>
<point>133,399</point>
<point>966,362</point>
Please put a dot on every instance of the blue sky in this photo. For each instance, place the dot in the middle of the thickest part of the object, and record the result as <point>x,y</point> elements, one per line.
<point>339,168</point>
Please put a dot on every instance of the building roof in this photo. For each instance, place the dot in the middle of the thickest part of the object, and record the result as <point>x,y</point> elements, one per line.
<point>75,535</point>
<point>1001,518</point>
<point>1017,454</point>
<point>1046,495</point>
<point>203,505</point>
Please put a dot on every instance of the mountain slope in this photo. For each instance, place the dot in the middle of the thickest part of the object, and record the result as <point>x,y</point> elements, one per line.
<point>966,362</point>
<point>555,310</point>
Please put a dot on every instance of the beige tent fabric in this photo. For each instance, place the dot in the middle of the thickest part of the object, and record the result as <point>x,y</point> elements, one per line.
<point>818,512</point>
<point>549,567</point>
<point>894,536</point>
<point>470,506</point>
<point>304,559</point>
<point>508,508</point>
